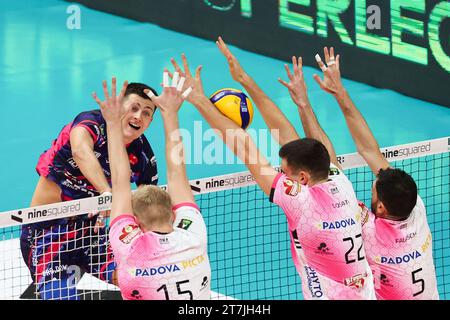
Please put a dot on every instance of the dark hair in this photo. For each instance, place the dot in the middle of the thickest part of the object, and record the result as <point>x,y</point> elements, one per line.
<point>308,155</point>
<point>397,190</point>
<point>138,88</point>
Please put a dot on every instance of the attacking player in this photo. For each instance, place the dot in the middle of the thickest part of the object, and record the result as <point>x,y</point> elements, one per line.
<point>396,233</point>
<point>75,167</point>
<point>159,238</point>
<point>330,261</point>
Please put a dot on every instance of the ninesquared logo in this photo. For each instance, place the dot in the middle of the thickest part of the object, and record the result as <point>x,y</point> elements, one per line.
<point>17,218</point>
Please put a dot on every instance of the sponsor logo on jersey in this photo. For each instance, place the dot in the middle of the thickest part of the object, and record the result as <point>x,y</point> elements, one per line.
<point>340,204</point>
<point>192,262</point>
<point>292,187</point>
<point>149,272</point>
<point>334,172</point>
<point>339,224</point>
<point>334,190</point>
<point>135,294</point>
<point>399,259</point>
<point>313,282</point>
<point>204,283</point>
<point>406,238</point>
<point>385,281</point>
<point>427,243</point>
<point>164,240</point>
<point>184,224</point>
<point>129,232</point>
<point>356,281</point>
<point>323,249</point>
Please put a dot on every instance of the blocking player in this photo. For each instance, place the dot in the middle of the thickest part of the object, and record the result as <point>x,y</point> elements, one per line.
<point>395,231</point>
<point>330,260</point>
<point>159,238</point>
<point>76,166</point>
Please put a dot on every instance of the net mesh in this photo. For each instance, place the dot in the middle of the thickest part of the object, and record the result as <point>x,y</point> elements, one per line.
<point>248,240</point>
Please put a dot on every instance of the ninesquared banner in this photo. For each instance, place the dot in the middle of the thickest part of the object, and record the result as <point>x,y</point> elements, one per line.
<point>402,45</point>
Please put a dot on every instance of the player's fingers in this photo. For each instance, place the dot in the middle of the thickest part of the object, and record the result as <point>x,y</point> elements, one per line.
<point>186,65</point>
<point>284,83</point>
<point>149,94</point>
<point>288,71</point>
<point>94,95</point>
<point>169,73</point>
<point>113,87</point>
<point>198,72</point>
<point>326,55</point>
<point>181,84</point>
<point>294,63</point>
<point>124,89</point>
<point>319,81</point>
<point>337,61</point>
<point>175,79</point>
<point>176,66</point>
<point>332,53</point>
<point>105,89</point>
<point>322,66</point>
<point>186,93</point>
<point>165,80</point>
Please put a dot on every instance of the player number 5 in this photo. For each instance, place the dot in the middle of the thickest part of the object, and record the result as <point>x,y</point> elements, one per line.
<point>421,281</point>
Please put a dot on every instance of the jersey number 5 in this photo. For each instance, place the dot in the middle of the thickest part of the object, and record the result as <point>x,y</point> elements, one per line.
<point>421,281</point>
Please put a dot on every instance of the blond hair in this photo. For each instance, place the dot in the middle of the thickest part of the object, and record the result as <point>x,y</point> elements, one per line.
<point>151,205</point>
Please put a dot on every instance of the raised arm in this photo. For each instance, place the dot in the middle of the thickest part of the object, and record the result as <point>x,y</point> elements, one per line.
<point>299,94</point>
<point>272,115</point>
<point>169,103</point>
<point>112,111</point>
<point>237,139</point>
<point>83,153</point>
<point>365,142</point>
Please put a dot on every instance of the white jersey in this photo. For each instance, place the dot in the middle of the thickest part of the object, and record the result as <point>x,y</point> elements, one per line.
<point>400,254</point>
<point>153,266</point>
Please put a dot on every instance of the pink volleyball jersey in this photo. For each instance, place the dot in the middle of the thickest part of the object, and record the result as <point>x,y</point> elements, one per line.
<point>153,266</point>
<point>400,254</point>
<point>326,242</point>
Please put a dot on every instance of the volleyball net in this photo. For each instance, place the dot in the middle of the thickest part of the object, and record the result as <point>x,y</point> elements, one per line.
<point>248,239</point>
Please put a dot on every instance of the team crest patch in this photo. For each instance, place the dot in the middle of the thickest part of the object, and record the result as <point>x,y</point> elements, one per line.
<point>129,232</point>
<point>291,187</point>
<point>185,224</point>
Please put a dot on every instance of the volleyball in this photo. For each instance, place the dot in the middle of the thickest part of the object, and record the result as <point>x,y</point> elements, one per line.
<point>235,105</point>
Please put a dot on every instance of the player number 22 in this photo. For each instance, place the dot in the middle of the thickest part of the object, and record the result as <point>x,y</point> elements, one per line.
<point>180,292</point>
<point>352,242</point>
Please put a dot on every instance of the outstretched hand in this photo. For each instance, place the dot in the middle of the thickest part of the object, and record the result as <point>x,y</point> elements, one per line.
<point>296,85</point>
<point>112,107</point>
<point>194,82</point>
<point>237,72</point>
<point>173,94</point>
<point>331,82</point>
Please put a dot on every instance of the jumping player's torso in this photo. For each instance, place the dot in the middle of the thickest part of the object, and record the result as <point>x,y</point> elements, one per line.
<point>400,255</point>
<point>58,164</point>
<point>154,266</point>
<point>326,237</point>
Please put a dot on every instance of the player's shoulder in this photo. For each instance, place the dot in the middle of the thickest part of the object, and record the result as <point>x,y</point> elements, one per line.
<point>92,115</point>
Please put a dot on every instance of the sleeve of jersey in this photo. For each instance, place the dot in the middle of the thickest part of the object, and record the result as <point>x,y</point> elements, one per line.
<point>123,233</point>
<point>287,194</point>
<point>188,217</point>
<point>88,122</point>
<point>150,170</point>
